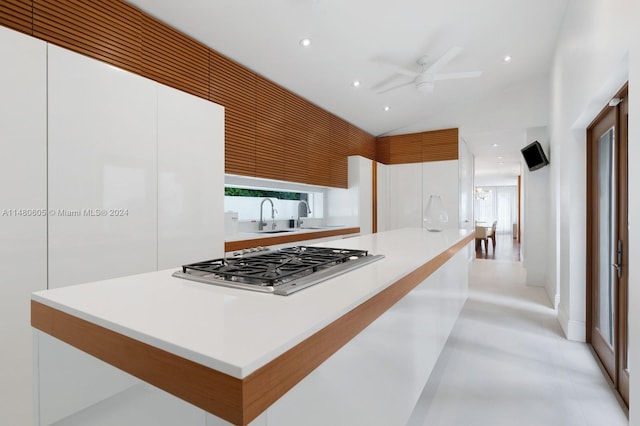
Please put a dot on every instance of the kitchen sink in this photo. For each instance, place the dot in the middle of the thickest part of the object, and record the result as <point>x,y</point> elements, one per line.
<point>277,231</point>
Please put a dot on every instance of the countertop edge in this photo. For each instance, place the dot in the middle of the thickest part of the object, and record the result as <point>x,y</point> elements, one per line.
<point>285,238</point>
<point>236,400</point>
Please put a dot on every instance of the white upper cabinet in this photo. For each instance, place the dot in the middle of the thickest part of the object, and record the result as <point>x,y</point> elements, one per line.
<point>23,220</point>
<point>190,179</point>
<point>102,170</point>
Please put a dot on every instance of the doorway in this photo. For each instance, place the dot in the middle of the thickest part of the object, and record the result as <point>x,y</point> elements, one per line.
<point>607,239</point>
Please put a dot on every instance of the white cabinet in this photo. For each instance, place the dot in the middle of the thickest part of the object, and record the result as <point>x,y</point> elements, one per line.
<point>442,178</point>
<point>190,179</point>
<point>405,195</point>
<point>404,191</point>
<point>23,221</point>
<point>102,170</point>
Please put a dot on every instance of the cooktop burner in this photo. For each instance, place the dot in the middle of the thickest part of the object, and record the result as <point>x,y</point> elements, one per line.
<point>282,271</point>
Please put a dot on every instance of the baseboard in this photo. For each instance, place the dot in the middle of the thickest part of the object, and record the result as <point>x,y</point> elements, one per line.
<point>573,330</point>
<point>554,297</point>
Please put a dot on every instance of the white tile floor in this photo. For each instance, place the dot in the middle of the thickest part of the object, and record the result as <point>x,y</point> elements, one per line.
<point>508,363</point>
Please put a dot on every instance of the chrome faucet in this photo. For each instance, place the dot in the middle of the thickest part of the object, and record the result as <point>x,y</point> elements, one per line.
<point>303,211</point>
<point>261,223</point>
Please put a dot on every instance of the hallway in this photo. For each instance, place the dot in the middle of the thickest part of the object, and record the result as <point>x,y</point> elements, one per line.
<point>507,363</point>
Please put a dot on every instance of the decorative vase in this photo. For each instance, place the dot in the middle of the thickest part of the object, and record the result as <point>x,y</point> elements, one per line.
<point>435,215</point>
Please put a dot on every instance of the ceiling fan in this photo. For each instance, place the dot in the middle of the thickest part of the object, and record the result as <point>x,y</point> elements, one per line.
<point>424,80</point>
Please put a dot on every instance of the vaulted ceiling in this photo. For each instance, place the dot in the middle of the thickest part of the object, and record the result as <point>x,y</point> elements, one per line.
<point>376,41</point>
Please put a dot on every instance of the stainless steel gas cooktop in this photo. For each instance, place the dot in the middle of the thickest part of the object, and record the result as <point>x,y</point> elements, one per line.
<point>282,272</point>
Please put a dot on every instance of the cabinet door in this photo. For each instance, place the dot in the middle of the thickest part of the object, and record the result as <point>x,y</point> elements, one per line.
<point>23,203</point>
<point>102,170</point>
<point>405,196</point>
<point>441,178</point>
<point>190,179</point>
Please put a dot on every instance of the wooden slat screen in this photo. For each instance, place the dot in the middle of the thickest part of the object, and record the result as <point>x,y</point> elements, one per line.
<point>437,145</point>
<point>234,86</point>
<point>296,138</point>
<point>16,14</point>
<point>270,124</point>
<point>440,145</point>
<point>108,31</point>
<point>172,58</point>
<point>339,151</point>
<point>361,143</point>
<point>318,155</point>
<point>406,149</point>
<point>383,150</point>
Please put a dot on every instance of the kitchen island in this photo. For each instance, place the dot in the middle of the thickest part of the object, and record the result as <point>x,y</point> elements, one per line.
<point>155,349</point>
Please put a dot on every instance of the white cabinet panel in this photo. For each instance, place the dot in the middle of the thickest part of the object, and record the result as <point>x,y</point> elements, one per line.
<point>378,377</point>
<point>383,197</point>
<point>190,179</point>
<point>23,203</point>
<point>102,170</point>
<point>405,195</point>
<point>441,177</point>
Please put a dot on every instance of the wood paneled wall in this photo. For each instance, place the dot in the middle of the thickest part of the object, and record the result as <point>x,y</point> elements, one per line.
<point>270,132</point>
<point>437,145</point>
<point>16,14</point>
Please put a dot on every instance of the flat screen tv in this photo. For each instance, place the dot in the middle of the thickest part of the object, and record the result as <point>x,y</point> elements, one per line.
<point>534,156</point>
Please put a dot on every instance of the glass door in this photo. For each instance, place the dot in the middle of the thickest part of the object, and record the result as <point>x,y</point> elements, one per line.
<point>606,241</point>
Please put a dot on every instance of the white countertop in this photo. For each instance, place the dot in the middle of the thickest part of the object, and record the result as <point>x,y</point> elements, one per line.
<point>237,331</point>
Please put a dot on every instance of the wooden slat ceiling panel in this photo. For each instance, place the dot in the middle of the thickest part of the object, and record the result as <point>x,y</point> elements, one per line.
<point>108,31</point>
<point>16,14</point>
<point>174,59</point>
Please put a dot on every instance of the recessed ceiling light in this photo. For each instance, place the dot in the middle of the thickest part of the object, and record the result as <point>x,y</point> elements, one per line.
<point>495,145</point>
<point>305,42</point>
<point>356,83</point>
<point>501,163</point>
<point>386,108</point>
<point>500,158</point>
<point>507,58</point>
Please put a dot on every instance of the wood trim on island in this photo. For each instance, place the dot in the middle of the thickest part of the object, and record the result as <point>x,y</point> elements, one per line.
<point>285,238</point>
<point>238,401</point>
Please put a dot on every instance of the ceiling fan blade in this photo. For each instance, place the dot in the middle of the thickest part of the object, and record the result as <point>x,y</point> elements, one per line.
<point>394,87</point>
<point>403,71</point>
<point>457,75</point>
<point>444,60</point>
<point>385,82</point>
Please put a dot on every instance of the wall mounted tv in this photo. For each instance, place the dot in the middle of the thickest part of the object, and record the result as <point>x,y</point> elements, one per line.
<point>534,156</point>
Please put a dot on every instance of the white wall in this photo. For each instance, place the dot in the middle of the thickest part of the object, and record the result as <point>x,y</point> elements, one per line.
<point>465,179</point>
<point>535,216</point>
<point>598,50</point>
<point>590,65</point>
